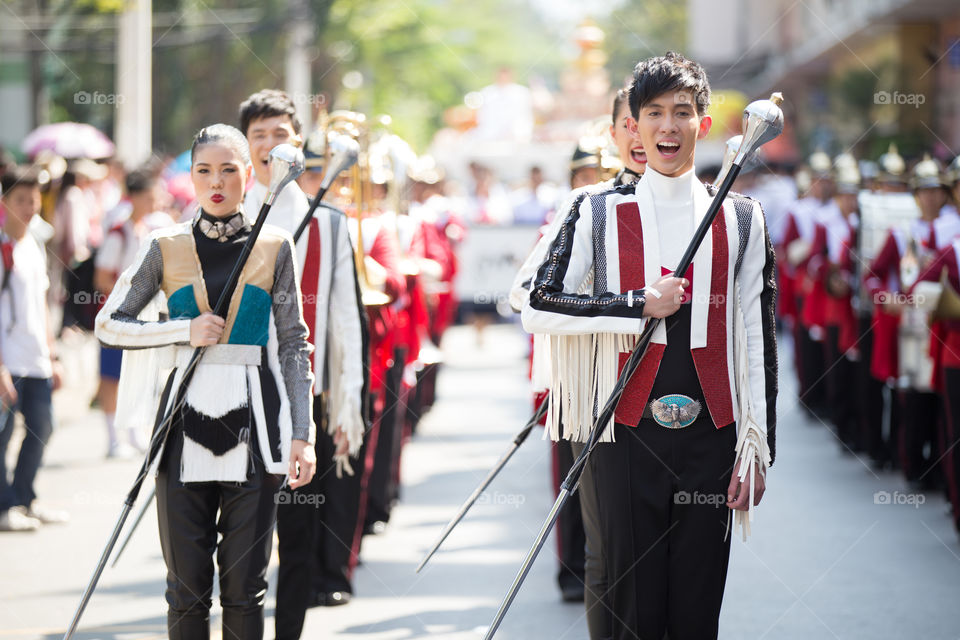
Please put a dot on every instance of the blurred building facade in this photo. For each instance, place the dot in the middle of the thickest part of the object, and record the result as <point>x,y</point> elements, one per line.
<point>856,73</point>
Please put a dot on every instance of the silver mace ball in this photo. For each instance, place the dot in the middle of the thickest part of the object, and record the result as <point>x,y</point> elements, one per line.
<point>344,151</point>
<point>762,122</point>
<point>286,164</point>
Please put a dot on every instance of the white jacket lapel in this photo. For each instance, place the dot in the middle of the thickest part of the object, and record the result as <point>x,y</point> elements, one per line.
<point>651,247</point>
<point>702,271</point>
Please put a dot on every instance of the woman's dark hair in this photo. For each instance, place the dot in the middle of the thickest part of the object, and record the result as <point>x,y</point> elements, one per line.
<point>221,134</point>
<point>268,103</point>
<point>618,100</point>
<point>671,72</point>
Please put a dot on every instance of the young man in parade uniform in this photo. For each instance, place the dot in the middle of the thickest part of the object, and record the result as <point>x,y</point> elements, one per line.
<point>667,472</point>
<point>316,542</point>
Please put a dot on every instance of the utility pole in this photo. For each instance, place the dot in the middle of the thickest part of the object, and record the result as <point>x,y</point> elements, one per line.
<point>297,64</point>
<point>134,83</point>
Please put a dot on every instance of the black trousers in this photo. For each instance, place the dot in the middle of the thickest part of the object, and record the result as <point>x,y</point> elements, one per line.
<point>383,491</point>
<point>317,534</point>
<point>598,611</point>
<point>189,524</point>
<point>919,443</point>
<point>840,373</point>
<point>570,536</point>
<point>660,496</point>
<point>951,444</point>
<point>813,396</point>
<point>869,396</point>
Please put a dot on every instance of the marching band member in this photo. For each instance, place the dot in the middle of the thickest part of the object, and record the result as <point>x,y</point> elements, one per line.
<point>247,418</point>
<point>804,244</point>
<point>397,350</point>
<point>666,552</point>
<point>315,541</point>
<point>945,348</point>
<point>841,344</point>
<point>937,226</point>
<point>440,232</point>
<point>881,280</point>
<point>901,253</point>
<point>381,274</point>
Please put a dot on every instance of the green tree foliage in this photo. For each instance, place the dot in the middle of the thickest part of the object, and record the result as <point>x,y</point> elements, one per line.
<point>417,57</point>
<point>642,28</point>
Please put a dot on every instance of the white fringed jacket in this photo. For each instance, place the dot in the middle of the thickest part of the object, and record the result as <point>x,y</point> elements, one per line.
<point>605,251</point>
<point>324,259</point>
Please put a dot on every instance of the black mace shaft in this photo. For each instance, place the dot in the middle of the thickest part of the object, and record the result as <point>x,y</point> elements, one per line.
<point>569,485</point>
<point>501,463</point>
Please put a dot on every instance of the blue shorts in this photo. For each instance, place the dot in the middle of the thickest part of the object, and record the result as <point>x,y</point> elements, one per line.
<point>110,360</point>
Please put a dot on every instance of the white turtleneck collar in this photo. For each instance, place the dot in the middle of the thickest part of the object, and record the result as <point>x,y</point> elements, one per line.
<point>673,204</point>
<point>675,191</point>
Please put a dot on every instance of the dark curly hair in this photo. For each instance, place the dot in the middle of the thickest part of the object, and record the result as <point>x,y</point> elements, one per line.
<point>670,72</point>
<point>268,103</point>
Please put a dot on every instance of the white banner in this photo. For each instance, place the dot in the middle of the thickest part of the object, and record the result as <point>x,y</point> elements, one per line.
<point>489,258</point>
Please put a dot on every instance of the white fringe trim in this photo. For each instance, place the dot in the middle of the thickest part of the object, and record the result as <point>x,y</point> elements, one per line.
<point>217,389</point>
<point>582,377</point>
<point>752,450</point>
<point>199,464</point>
<point>344,402</point>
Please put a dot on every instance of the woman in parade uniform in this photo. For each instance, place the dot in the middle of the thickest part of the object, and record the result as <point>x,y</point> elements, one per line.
<point>246,420</point>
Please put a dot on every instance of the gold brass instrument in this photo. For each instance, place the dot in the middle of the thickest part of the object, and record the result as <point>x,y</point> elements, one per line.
<point>948,304</point>
<point>359,194</point>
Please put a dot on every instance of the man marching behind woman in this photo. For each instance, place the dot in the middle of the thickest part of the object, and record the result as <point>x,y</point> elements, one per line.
<point>247,419</point>
<point>317,539</point>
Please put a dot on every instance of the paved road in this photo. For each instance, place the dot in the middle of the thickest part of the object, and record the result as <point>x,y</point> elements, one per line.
<point>828,558</point>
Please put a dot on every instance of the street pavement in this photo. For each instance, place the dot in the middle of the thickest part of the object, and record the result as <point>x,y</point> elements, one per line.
<point>839,550</point>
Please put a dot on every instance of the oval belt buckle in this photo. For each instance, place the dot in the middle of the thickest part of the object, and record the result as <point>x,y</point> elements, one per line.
<point>675,411</point>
